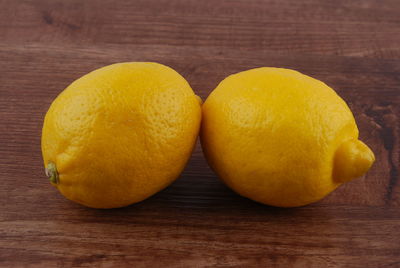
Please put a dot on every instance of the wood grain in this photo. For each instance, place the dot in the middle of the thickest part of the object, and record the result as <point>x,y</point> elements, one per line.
<point>354,46</point>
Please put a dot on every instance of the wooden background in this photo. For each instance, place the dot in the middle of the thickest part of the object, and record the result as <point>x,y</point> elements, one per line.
<point>354,46</point>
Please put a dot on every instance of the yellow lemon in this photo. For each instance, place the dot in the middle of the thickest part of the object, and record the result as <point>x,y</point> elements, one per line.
<point>120,134</point>
<point>280,137</point>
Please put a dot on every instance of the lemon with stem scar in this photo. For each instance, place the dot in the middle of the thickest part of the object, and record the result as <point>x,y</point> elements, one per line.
<point>120,134</point>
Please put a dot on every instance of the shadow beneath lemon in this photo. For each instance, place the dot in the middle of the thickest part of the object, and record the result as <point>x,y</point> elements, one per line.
<point>199,196</point>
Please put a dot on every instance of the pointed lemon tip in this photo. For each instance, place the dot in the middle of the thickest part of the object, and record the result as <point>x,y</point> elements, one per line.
<point>353,159</point>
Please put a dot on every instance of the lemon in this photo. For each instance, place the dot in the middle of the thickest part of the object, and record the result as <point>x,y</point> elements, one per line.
<point>120,134</point>
<point>280,137</point>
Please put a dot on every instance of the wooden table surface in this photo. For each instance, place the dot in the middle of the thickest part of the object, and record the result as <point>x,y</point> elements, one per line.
<point>354,46</point>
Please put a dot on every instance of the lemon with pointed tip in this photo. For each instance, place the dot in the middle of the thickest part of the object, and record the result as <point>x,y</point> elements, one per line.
<point>280,137</point>
<point>120,134</point>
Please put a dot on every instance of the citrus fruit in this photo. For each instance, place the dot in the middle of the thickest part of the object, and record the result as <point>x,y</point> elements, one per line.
<point>120,134</point>
<point>280,137</point>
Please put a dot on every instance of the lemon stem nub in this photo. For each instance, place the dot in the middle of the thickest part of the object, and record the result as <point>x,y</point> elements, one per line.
<point>51,173</point>
<point>352,159</point>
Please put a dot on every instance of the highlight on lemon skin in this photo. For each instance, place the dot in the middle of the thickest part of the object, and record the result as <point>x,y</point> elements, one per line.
<point>353,159</point>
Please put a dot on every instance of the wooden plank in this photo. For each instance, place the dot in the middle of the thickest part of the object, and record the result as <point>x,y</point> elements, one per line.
<point>356,28</point>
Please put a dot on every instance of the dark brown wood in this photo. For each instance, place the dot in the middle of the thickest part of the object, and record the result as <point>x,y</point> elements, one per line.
<point>354,46</point>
